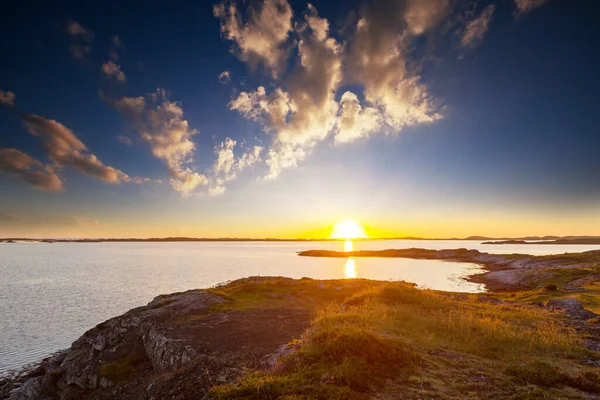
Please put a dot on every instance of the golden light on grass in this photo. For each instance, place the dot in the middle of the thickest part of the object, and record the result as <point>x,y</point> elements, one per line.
<point>348,229</point>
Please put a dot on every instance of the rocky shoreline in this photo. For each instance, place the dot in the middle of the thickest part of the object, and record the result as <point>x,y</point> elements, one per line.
<point>504,272</point>
<point>182,345</point>
<point>149,352</point>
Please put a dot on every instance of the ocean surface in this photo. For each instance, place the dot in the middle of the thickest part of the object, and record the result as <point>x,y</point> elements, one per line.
<point>50,294</point>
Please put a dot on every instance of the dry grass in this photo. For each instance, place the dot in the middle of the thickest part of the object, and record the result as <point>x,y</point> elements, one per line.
<point>393,341</point>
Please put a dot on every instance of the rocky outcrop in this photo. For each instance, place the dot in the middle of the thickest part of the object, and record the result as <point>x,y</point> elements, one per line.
<point>140,338</point>
<point>179,344</point>
<point>572,307</point>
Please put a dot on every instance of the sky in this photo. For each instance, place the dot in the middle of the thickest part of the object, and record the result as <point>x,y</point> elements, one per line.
<point>277,118</point>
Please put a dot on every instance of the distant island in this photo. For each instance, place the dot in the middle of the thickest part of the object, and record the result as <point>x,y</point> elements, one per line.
<point>487,240</point>
<point>594,240</point>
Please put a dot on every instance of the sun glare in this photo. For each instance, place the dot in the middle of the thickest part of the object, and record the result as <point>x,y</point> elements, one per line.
<point>348,229</point>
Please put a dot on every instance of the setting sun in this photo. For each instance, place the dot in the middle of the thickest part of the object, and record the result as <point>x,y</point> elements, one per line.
<point>348,229</point>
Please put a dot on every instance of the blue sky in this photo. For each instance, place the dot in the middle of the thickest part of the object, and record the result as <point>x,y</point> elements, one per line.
<point>431,118</point>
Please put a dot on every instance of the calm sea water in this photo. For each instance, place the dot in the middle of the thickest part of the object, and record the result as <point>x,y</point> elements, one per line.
<point>51,293</point>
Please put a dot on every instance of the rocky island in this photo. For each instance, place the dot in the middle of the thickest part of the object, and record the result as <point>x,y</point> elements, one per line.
<point>533,337</point>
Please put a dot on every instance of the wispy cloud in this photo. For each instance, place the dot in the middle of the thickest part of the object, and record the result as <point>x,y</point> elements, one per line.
<point>74,28</point>
<point>260,40</point>
<point>225,77</point>
<point>116,45</point>
<point>63,148</point>
<point>82,37</point>
<point>112,70</point>
<point>525,6</point>
<point>478,27</point>
<point>66,150</point>
<point>227,164</point>
<point>7,98</point>
<point>27,168</point>
<point>160,123</point>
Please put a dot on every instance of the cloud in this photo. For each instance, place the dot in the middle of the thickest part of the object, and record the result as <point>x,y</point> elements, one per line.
<point>225,77</point>
<point>477,28</point>
<point>80,52</point>
<point>29,169</point>
<point>66,150</point>
<point>304,113</point>
<point>113,70</point>
<point>160,123</point>
<point>378,59</point>
<point>7,98</point>
<point>227,165</point>
<point>125,140</point>
<point>116,44</point>
<point>82,37</point>
<point>525,6</point>
<point>261,39</point>
<point>75,29</point>
<point>419,15</point>
<point>353,121</point>
<point>216,190</point>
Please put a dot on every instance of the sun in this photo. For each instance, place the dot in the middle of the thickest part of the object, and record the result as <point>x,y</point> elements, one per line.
<point>348,229</point>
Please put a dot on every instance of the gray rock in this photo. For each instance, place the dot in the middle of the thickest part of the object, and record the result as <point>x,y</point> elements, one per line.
<point>572,307</point>
<point>67,374</point>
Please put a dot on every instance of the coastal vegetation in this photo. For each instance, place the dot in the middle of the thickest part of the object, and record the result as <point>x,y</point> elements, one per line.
<point>394,341</point>
<point>535,335</point>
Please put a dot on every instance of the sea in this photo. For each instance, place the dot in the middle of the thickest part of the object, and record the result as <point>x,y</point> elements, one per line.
<point>51,293</point>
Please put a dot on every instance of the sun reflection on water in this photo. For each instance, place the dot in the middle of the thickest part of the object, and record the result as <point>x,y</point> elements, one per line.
<point>350,269</point>
<point>348,245</point>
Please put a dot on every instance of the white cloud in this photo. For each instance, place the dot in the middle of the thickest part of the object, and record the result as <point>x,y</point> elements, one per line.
<point>113,70</point>
<point>216,190</point>
<point>66,150</point>
<point>378,59</point>
<point>160,123</point>
<point>29,169</point>
<point>261,39</point>
<point>304,113</point>
<point>477,28</point>
<point>525,6</point>
<point>227,164</point>
<point>353,121</point>
<point>225,77</point>
<point>7,98</point>
<point>74,28</point>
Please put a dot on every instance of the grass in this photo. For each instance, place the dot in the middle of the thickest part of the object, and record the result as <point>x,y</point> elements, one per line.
<point>391,340</point>
<point>277,292</point>
<point>121,369</point>
<point>543,281</point>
